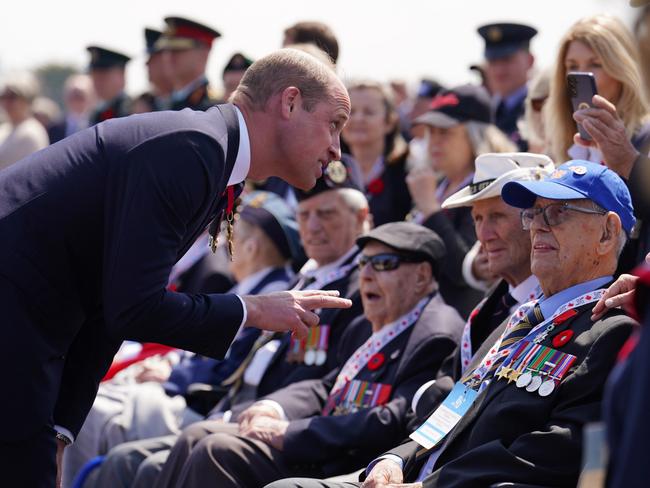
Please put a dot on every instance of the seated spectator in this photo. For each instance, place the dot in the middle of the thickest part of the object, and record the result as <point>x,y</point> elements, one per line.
<point>379,152</point>
<point>618,122</point>
<point>330,218</point>
<point>459,129</point>
<point>506,244</point>
<point>147,400</point>
<point>521,405</point>
<point>336,424</point>
<point>22,134</point>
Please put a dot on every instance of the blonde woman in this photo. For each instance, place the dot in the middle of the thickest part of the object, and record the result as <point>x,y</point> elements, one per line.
<point>373,140</point>
<point>603,46</point>
<point>618,122</point>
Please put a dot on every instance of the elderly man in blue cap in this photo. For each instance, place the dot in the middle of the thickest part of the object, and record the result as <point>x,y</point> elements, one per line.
<point>517,414</point>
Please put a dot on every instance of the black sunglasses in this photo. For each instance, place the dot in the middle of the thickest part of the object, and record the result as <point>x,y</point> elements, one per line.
<point>386,261</point>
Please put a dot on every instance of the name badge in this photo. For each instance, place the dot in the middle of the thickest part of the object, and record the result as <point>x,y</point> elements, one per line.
<point>446,416</point>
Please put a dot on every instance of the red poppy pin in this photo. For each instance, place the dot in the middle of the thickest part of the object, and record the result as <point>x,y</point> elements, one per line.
<point>107,114</point>
<point>563,317</point>
<point>562,338</point>
<point>376,186</point>
<point>375,361</point>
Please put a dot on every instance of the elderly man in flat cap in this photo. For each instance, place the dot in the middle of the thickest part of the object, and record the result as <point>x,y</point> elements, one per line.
<point>337,424</point>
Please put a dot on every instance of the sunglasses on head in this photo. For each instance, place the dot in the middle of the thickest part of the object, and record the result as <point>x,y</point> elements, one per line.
<point>386,261</point>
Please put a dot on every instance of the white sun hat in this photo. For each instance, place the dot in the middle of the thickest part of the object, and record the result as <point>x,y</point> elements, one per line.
<point>493,170</point>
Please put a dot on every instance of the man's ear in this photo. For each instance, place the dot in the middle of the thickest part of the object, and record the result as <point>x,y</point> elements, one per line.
<point>423,276</point>
<point>291,100</point>
<point>610,234</point>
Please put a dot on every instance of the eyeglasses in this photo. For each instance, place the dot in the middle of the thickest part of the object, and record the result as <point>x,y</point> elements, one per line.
<point>386,262</point>
<point>554,214</point>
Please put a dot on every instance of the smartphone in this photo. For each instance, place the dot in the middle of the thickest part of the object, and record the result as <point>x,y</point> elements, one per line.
<point>582,88</point>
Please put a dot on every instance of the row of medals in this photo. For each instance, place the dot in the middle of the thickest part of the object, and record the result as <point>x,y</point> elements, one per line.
<point>315,357</point>
<point>529,381</point>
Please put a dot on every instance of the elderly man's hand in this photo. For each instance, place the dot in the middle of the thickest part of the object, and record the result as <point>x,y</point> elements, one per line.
<point>384,473</point>
<point>268,430</point>
<point>608,132</point>
<point>422,183</point>
<point>481,267</point>
<point>256,410</point>
<point>290,310</point>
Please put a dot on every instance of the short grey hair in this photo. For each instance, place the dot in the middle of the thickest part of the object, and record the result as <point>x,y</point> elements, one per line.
<point>281,69</point>
<point>487,138</point>
<point>355,201</point>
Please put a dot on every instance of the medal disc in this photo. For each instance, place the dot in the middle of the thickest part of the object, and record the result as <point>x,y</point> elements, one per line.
<point>534,384</point>
<point>524,380</point>
<point>310,357</point>
<point>321,357</point>
<point>546,388</point>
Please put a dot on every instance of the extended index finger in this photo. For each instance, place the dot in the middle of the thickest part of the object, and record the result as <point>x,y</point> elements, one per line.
<point>308,293</point>
<point>324,301</point>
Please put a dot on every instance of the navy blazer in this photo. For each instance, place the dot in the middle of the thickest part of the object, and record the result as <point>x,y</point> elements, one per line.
<point>90,228</point>
<point>342,443</point>
<point>511,435</point>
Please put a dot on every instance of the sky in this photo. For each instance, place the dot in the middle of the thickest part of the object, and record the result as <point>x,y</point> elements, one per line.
<point>379,39</point>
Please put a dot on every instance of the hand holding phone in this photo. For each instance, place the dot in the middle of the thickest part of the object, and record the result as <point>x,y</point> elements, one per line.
<point>582,88</point>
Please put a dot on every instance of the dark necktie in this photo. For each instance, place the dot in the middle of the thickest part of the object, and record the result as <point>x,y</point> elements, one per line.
<point>502,309</point>
<point>518,332</point>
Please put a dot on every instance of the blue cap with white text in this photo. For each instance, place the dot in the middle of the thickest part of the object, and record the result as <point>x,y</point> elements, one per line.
<point>576,180</point>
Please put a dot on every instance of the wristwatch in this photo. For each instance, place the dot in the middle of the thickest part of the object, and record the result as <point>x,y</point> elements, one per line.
<point>63,438</point>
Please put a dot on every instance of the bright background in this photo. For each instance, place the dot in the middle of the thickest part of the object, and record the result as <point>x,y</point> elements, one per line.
<point>380,39</point>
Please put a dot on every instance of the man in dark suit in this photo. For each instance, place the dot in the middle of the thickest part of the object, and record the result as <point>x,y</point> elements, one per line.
<point>336,424</point>
<point>539,378</point>
<point>331,216</point>
<point>92,226</point>
<point>189,44</point>
<point>107,69</point>
<point>507,63</point>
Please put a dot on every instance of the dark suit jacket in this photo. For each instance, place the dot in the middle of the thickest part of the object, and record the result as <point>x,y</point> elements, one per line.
<point>456,228</point>
<point>281,373</point>
<point>511,435</point>
<point>393,202</point>
<point>637,247</point>
<point>341,443</point>
<point>91,227</point>
<point>507,120</point>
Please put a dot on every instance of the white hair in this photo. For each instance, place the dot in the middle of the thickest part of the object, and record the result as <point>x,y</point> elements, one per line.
<point>355,200</point>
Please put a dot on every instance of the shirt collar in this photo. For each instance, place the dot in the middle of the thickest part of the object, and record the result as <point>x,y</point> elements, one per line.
<point>525,291</point>
<point>552,303</point>
<point>247,284</point>
<point>243,161</point>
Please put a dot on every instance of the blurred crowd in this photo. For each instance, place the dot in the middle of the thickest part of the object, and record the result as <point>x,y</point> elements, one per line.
<point>455,215</point>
